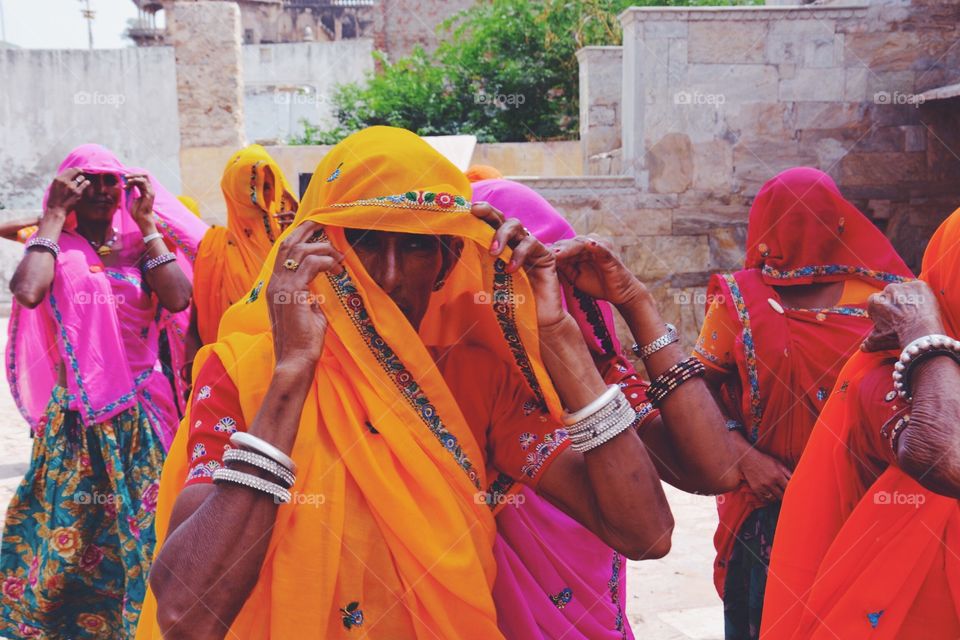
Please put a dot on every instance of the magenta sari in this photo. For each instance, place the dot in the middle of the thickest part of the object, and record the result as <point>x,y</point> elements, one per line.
<point>556,579</point>
<point>100,322</point>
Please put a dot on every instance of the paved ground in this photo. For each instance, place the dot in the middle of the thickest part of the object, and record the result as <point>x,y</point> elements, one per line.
<point>668,599</point>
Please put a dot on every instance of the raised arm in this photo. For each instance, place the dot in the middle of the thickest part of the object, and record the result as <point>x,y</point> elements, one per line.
<point>34,275</point>
<point>200,588</point>
<point>929,448</point>
<point>689,440</point>
<point>612,489</point>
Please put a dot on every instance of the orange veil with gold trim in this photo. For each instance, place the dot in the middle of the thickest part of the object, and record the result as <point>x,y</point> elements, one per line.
<point>423,478</point>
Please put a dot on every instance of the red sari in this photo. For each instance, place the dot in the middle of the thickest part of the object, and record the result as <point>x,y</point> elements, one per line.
<point>864,551</point>
<point>801,231</point>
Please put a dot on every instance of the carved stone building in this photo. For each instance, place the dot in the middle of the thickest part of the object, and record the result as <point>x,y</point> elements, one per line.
<point>396,26</point>
<point>271,21</point>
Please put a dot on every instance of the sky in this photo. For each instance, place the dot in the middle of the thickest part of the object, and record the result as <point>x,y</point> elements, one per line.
<point>58,24</point>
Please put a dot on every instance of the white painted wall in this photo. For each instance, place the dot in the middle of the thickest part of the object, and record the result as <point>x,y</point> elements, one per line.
<point>286,83</point>
<point>53,101</point>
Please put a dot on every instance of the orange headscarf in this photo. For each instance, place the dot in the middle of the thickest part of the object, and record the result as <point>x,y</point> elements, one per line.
<point>848,563</point>
<point>230,257</point>
<point>478,172</point>
<point>420,478</point>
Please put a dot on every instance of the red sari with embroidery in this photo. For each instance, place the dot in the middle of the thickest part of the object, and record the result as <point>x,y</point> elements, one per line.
<point>864,550</point>
<point>801,231</point>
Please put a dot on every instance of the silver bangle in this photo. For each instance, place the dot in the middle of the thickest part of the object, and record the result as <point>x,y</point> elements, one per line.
<point>918,350</point>
<point>44,243</point>
<point>618,419</point>
<point>161,259</point>
<point>244,440</point>
<point>668,338</point>
<point>251,481</point>
<point>261,462</point>
<point>598,404</point>
<point>150,237</point>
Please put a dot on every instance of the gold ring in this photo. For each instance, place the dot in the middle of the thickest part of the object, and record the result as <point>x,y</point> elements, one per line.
<point>291,264</point>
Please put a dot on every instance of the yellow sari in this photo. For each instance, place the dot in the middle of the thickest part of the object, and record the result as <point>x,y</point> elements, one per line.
<point>230,257</point>
<point>419,486</point>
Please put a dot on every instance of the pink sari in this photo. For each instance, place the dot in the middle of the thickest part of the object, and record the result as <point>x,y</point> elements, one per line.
<point>100,322</point>
<point>555,579</point>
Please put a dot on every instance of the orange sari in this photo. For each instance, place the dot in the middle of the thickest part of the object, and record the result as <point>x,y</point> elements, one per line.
<point>850,559</point>
<point>420,484</point>
<point>230,257</point>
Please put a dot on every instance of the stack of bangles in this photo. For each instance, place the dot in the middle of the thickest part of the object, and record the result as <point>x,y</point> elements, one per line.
<point>43,243</point>
<point>254,451</point>
<point>161,259</point>
<point>916,352</point>
<point>672,378</point>
<point>600,421</point>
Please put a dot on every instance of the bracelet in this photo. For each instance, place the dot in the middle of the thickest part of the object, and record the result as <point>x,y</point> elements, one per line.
<point>917,351</point>
<point>161,259</point>
<point>902,424</point>
<point>668,338</point>
<point>280,494</point>
<point>244,440</point>
<point>150,237</point>
<point>615,418</point>
<point>44,243</point>
<point>597,405</point>
<point>675,376</point>
<point>261,462</point>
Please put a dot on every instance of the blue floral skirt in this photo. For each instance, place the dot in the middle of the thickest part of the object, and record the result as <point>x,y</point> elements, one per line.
<point>747,574</point>
<point>78,538</point>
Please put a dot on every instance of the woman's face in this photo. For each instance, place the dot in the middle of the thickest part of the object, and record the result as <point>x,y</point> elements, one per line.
<point>407,266</point>
<point>101,199</point>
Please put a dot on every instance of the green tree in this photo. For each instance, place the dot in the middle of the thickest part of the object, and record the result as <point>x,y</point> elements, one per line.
<point>506,70</point>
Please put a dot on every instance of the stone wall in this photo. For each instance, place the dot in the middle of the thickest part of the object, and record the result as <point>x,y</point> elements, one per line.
<point>399,25</point>
<point>718,100</point>
<point>601,77</point>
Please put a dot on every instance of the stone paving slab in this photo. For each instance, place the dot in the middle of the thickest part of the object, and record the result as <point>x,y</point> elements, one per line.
<point>667,599</point>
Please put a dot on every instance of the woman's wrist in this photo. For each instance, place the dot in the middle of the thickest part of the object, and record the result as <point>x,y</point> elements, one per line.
<point>918,329</point>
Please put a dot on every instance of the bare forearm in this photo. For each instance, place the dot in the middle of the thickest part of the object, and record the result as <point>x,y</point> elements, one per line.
<point>567,360</point>
<point>928,449</point>
<point>216,553</point>
<point>168,280</point>
<point>695,425</point>
<point>34,275</point>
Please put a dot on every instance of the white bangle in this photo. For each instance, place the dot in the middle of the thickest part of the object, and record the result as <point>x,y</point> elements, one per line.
<point>244,440</point>
<point>150,237</point>
<point>920,349</point>
<point>599,403</point>
<point>253,482</point>
<point>618,416</point>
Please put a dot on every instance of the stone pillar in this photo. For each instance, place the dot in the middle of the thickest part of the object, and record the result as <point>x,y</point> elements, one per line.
<point>207,42</point>
<point>601,75</point>
<point>634,96</point>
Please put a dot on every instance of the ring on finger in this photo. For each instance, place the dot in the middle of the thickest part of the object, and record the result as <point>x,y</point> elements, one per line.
<point>291,264</point>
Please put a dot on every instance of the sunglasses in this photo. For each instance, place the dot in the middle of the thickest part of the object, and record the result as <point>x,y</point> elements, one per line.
<point>104,179</point>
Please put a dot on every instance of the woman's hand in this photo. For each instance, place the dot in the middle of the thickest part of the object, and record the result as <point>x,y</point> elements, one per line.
<point>298,323</point>
<point>529,254</point>
<point>766,476</point>
<point>65,192</point>
<point>141,209</point>
<point>902,313</point>
<point>590,264</point>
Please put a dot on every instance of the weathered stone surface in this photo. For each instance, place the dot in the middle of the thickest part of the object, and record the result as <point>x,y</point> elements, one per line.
<point>207,46</point>
<point>601,78</point>
<point>814,85</point>
<point>736,83</point>
<point>828,115</point>
<point>882,168</point>
<point>727,42</point>
<point>727,247</point>
<point>655,257</point>
<point>670,162</point>
<point>712,165</point>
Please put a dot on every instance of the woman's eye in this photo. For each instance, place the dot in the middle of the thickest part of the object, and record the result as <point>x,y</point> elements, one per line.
<point>421,243</point>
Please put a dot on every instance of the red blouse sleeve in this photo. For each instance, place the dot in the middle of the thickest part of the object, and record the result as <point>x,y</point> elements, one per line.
<point>215,413</point>
<point>617,370</point>
<point>879,410</point>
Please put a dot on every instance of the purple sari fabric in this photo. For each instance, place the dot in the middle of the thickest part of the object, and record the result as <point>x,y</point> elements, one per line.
<point>100,322</point>
<point>555,579</point>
